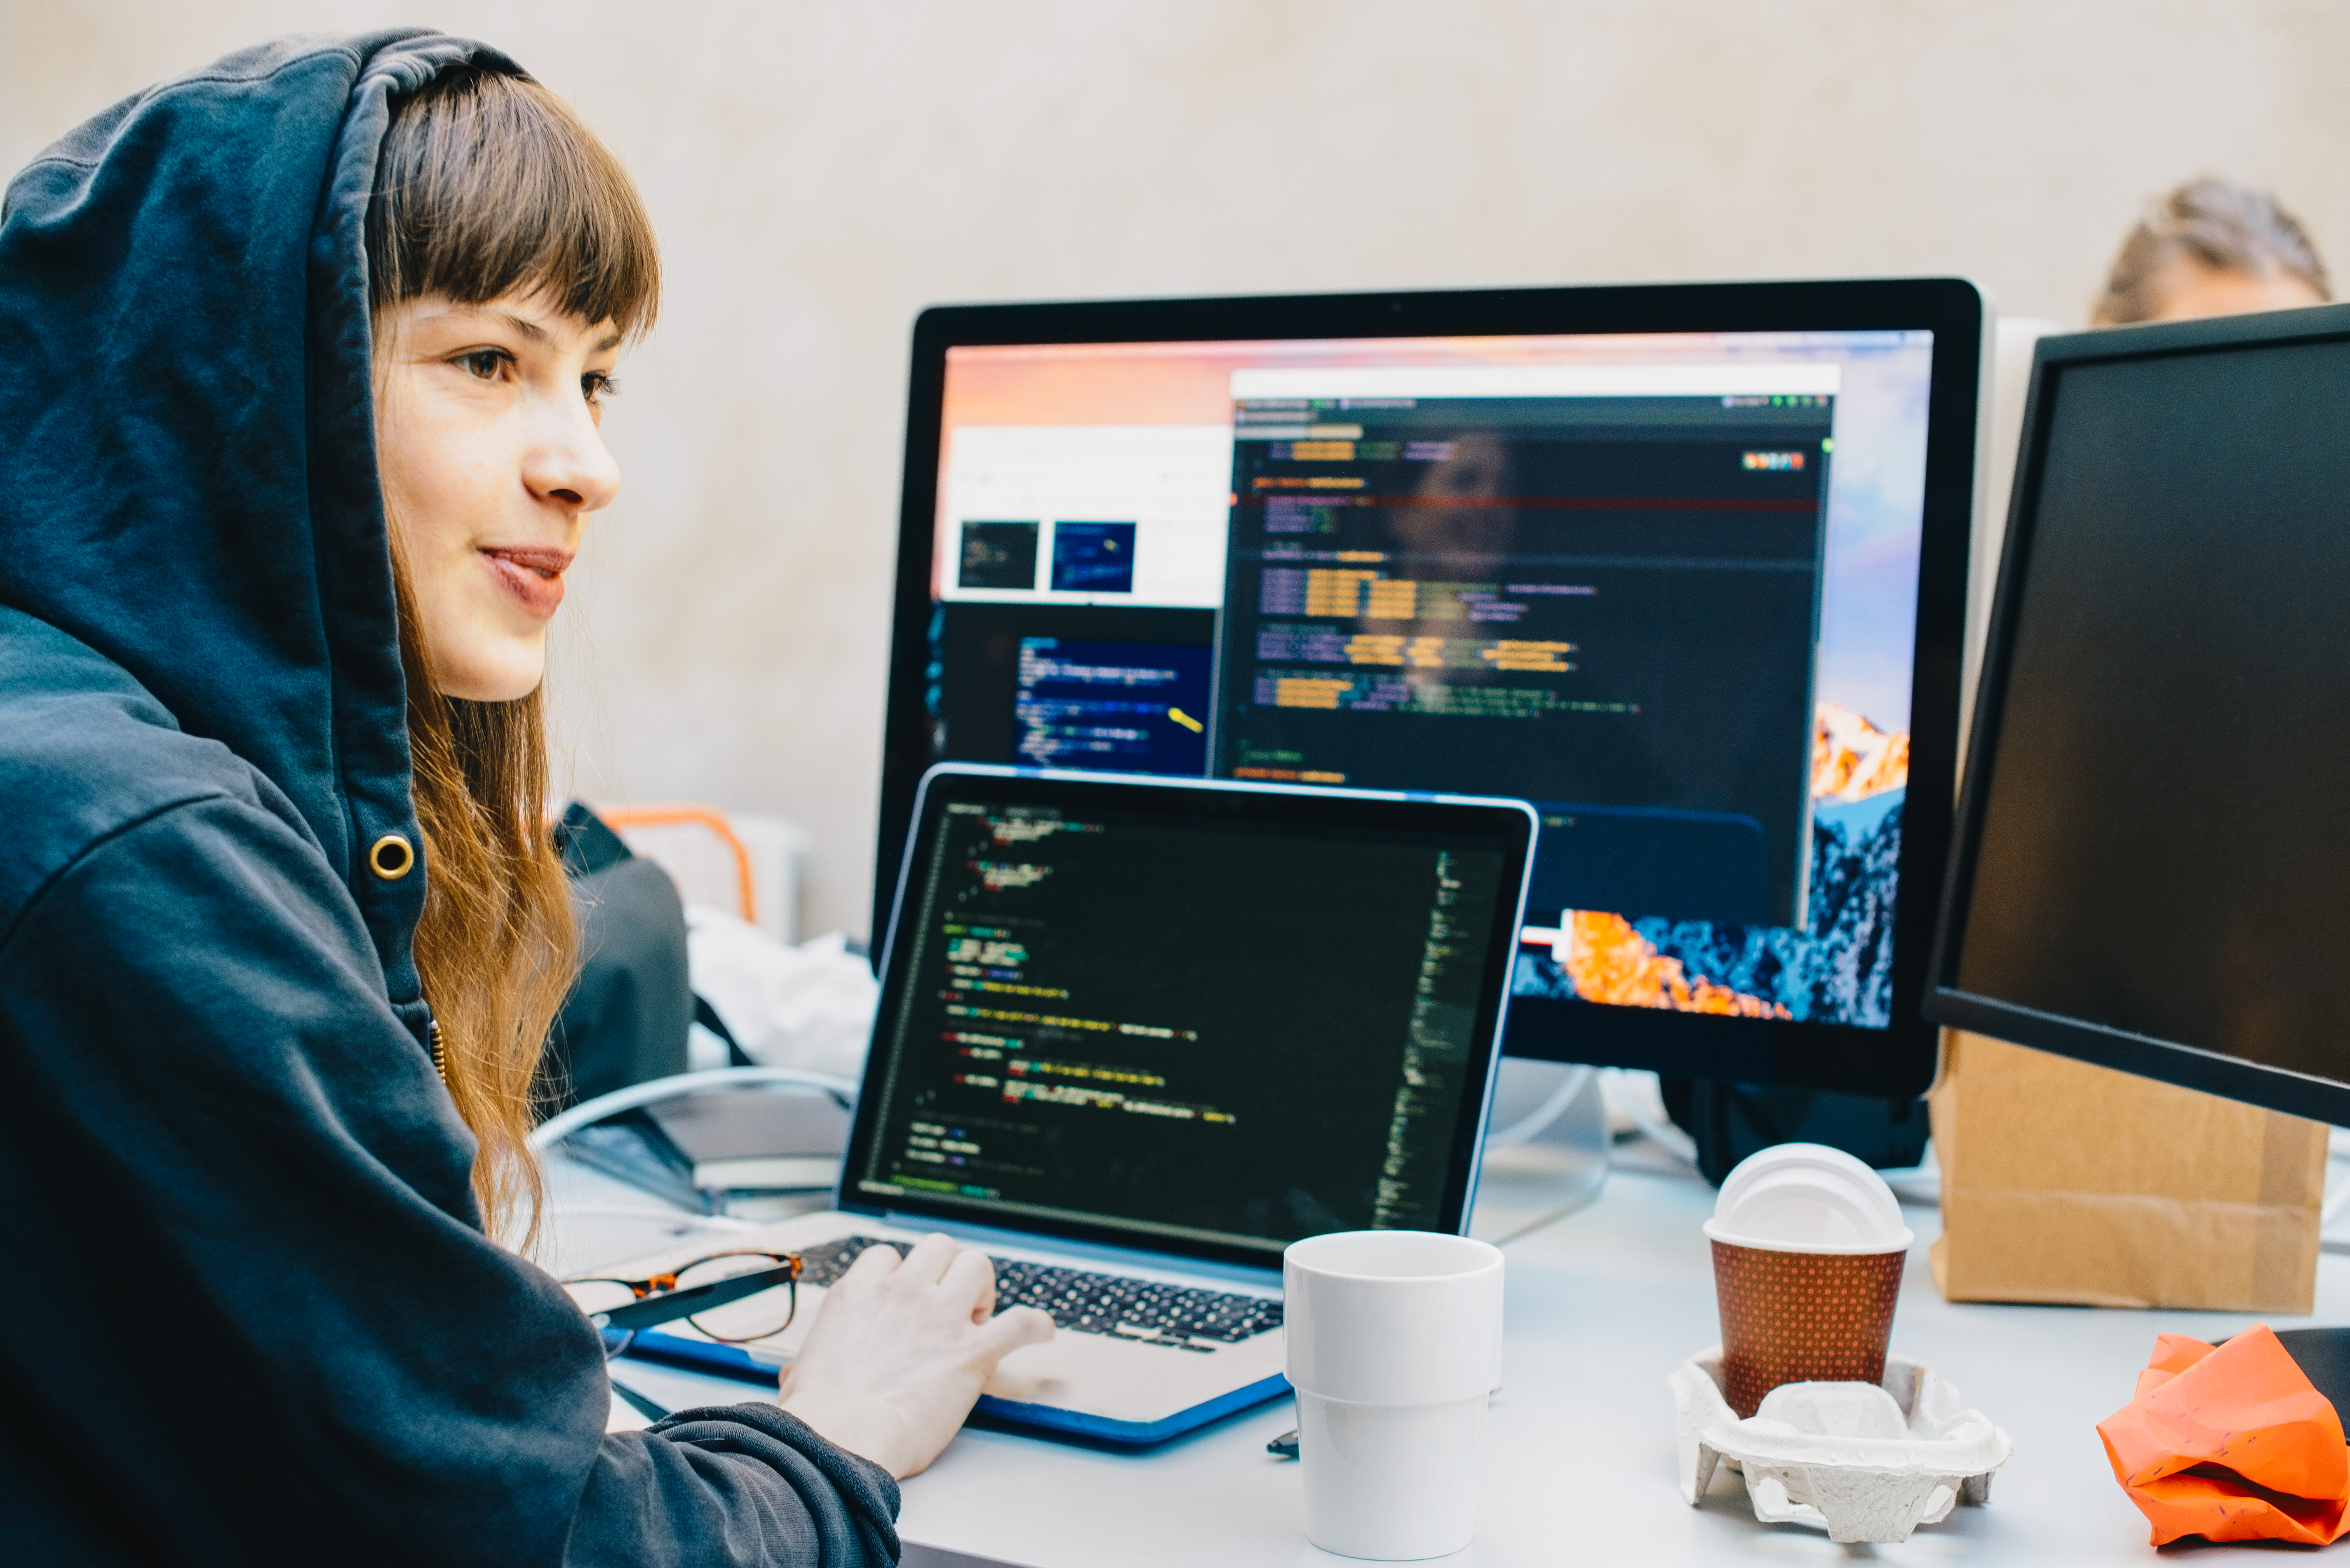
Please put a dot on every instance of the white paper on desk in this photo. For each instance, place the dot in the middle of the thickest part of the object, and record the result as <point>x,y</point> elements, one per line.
<point>809,1006</point>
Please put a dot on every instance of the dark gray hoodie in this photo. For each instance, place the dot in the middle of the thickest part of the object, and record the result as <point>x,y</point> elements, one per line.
<point>251,1317</point>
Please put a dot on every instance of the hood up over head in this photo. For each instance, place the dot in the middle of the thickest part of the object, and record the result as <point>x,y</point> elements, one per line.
<point>188,478</point>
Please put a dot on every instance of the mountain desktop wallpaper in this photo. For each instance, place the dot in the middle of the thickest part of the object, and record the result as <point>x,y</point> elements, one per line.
<point>1840,970</point>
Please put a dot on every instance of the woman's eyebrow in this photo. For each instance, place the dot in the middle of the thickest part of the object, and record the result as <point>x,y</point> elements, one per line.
<point>532,331</point>
<point>529,329</point>
<point>538,334</point>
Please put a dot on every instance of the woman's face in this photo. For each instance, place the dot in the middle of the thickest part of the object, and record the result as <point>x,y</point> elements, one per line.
<point>487,439</point>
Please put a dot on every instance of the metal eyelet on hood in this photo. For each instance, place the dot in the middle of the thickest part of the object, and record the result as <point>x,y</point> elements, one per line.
<point>391,857</point>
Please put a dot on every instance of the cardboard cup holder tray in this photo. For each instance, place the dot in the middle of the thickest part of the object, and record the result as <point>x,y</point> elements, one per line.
<point>1865,1463</point>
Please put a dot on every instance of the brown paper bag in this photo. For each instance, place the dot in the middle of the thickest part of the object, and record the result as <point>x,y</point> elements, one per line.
<point>2065,1182</point>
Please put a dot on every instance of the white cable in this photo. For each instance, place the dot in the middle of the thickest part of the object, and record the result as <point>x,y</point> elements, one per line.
<point>666,1216</point>
<point>1571,1083</point>
<point>1664,1134</point>
<point>554,1129</point>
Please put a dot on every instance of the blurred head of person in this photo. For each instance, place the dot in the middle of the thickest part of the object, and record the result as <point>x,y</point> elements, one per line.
<point>2211,248</point>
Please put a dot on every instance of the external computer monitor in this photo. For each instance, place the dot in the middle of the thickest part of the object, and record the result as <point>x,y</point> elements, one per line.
<point>1682,566</point>
<point>2153,868</point>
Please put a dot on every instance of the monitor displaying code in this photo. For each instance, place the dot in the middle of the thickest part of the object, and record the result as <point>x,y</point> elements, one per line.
<point>1571,586</point>
<point>1229,1032</point>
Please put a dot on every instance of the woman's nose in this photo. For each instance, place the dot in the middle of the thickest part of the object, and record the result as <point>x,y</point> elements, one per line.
<point>569,464</point>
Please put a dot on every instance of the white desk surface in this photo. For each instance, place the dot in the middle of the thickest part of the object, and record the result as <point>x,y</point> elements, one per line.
<point>1579,1457</point>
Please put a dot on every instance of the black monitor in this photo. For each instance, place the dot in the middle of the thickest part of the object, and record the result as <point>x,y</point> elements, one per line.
<point>1683,566</point>
<point>2153,864</point>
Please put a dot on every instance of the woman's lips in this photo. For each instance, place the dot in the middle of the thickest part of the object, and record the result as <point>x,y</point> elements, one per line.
<point>534,576</point>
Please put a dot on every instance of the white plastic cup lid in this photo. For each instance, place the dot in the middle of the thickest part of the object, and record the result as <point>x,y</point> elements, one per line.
<point>1807,1198</point>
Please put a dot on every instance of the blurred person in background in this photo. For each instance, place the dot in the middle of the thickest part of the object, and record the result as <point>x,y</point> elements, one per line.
<point>2211,248</point>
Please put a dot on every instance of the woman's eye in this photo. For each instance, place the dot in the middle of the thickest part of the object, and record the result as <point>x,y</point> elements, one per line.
<point>484,364</point>
<point>596,386</point>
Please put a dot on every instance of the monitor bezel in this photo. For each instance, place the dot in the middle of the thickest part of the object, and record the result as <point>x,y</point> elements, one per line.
<point>1510,825</point>
<point>1946,1003</point>
<point>1897,1061</point>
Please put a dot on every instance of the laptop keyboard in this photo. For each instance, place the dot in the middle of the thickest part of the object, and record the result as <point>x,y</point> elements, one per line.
<point>1149,1310</point>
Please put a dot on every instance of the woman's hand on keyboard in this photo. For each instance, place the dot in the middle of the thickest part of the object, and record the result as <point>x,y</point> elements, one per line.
<point>901,1351</point>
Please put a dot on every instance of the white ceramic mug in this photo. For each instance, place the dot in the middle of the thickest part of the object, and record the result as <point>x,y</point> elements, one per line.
<point>1395,1343</point>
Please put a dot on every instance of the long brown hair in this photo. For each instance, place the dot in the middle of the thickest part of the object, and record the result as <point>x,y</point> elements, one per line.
<point>488,185</point>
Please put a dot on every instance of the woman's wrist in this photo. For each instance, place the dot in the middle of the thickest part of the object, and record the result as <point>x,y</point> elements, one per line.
<point>846,1424</point>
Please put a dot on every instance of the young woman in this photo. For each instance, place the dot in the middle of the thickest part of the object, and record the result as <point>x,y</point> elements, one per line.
<point>305,353</point>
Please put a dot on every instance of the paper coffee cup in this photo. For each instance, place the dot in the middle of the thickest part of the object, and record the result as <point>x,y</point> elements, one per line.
<point>1808,1250</point>
<point>1394,1343</point>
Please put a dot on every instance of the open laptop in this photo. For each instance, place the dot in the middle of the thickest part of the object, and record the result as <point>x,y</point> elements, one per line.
<point>1136,1035</point>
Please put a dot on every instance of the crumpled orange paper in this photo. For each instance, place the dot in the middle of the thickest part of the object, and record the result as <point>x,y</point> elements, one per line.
<point>2232,1444</point>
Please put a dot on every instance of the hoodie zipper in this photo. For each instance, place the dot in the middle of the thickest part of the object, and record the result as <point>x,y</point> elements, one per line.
<point>439,1057</point>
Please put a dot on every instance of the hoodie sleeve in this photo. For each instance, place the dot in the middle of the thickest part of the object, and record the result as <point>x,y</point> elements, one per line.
<point>270,1326</point>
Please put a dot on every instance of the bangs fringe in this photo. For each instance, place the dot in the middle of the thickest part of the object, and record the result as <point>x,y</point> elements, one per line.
<point>489,185</point>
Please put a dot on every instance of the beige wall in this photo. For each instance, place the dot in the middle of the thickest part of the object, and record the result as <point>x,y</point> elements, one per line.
<point>821,171</point>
